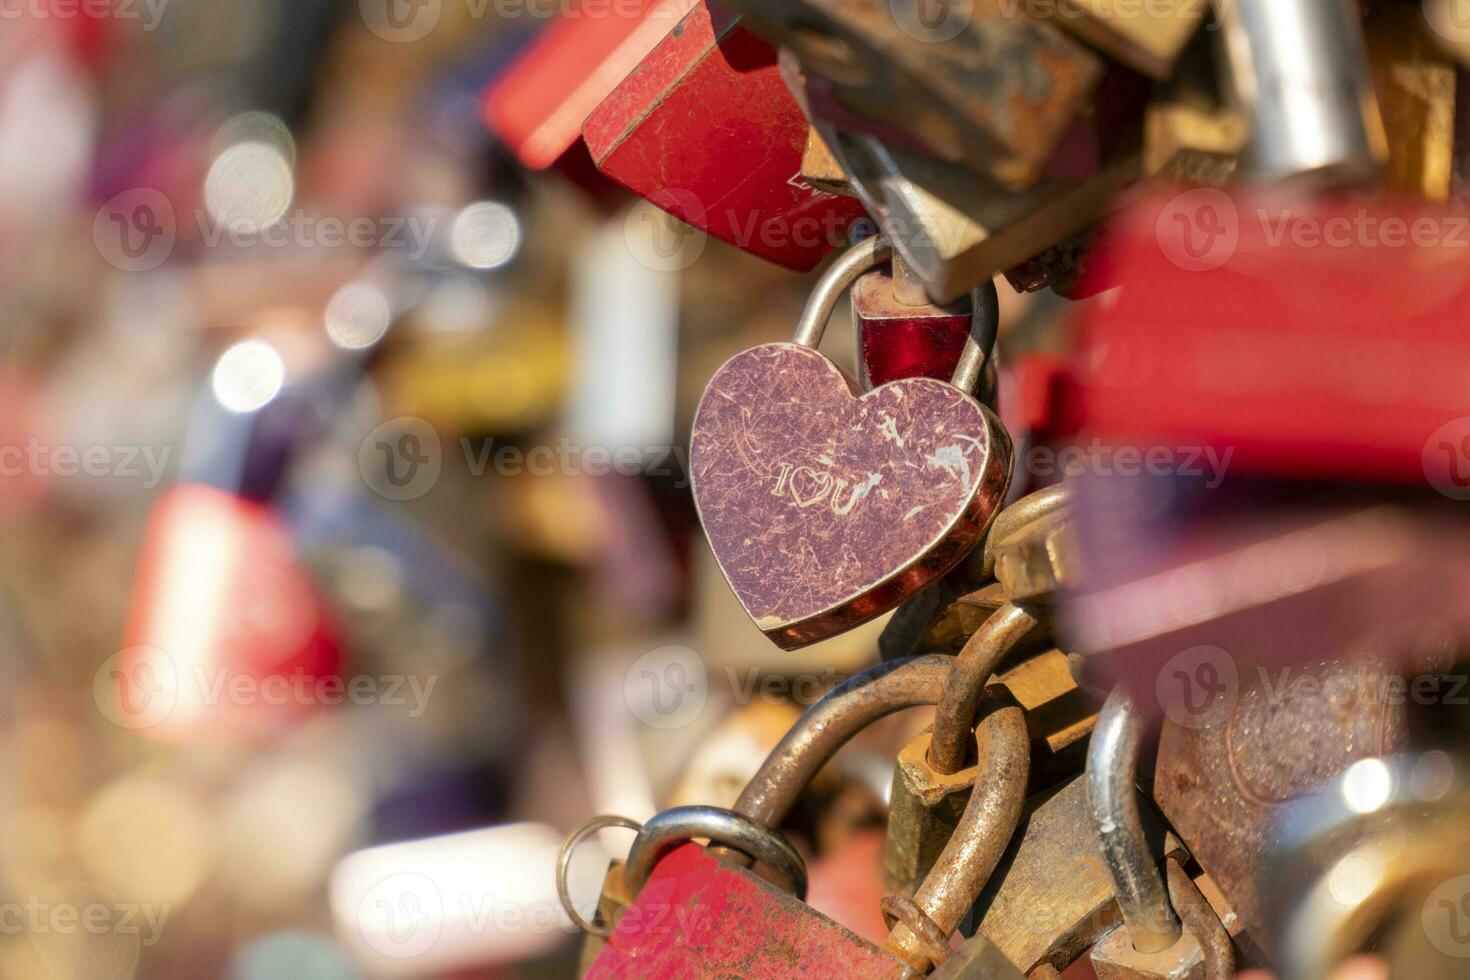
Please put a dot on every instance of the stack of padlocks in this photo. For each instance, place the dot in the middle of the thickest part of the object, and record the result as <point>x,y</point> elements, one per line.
<point>1102,779</point>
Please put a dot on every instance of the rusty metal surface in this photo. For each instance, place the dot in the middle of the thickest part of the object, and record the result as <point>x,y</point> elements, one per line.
<point>1201,922</point>
<point>697,917</point>
<point>956,622</point>
<point>984,832</point>
<point>1148,38</point>
<point>1051,897</point>
<point>973,668</point>
<point>826,508</point>
<point>924,809</point>
<point>1115,957</point>
<point>831,723</point>
<point>1032,507</point>
<point>995,89</point>
<point>1224,784</point>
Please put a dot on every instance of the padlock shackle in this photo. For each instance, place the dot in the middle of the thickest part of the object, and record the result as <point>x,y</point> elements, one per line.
<point>964,867</point>
<point>866,256</point>
<point>856,262</point>
<point>981,657</point>
<point>829,724</point>
<point>722,828</point>
<point>1112,799</point>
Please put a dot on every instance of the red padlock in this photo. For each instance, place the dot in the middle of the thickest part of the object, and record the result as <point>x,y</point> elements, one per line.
<point>901,334</point>
<point>227,637</point>
<point>706,130</point>
<point>538,105</point>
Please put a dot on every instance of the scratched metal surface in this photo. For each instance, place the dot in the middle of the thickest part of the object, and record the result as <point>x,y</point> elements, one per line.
<point>825,509</point>
<point>698,918</point>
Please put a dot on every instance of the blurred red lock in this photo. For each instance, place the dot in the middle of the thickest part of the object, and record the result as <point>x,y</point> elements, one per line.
<point>538,105</point>
<point>226,637</point>
<point>706,130</point>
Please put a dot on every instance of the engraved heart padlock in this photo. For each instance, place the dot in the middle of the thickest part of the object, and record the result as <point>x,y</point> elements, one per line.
<point>826,506</point>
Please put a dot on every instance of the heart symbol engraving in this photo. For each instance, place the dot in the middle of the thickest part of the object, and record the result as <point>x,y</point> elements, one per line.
<point>826,507</point>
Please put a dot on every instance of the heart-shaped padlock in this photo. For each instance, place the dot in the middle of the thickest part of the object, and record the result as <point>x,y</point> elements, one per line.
<point>827,507</point>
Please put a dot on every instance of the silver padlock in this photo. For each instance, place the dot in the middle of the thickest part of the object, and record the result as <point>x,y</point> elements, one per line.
<point>1152,943</point>
<point>1299,70</point>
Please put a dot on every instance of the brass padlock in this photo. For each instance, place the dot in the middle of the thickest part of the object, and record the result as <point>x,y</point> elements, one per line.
<point>1147,37</point>
<point>926,805</point>
<point>1415,82</point>
<point>1189,134</point>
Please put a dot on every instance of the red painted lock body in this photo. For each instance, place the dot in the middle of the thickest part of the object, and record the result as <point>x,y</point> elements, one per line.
<point>897,340</point>
<point>705,129</point>
<point>1317,341</point>
<point>538,105</point>
<point>699,918</point>
<point>226,636</point>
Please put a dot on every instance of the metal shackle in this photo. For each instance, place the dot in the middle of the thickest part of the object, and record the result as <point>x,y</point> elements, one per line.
<point>719,826</point>
<point>866,256</point>
<point>1112,799</point>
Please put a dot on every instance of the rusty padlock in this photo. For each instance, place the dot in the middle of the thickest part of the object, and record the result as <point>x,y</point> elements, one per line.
<point>826,507</point>
<point>1147,37</point>
<point>1152,943</point>
<point>926,805</point>
<point>716,914</point>
<point>705,129</point>
<point>1415,81</point>
<point>956,229</point>
<point>989,86</point>
<point>1189,134</point>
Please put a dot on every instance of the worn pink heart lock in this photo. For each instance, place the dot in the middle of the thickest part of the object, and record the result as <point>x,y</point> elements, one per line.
<point>826,507</point>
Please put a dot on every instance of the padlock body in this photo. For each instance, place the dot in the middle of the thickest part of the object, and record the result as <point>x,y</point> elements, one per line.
<point>705,129</point>
<point>826,508</point>
<point>897,340</point>
<point>697,917</point>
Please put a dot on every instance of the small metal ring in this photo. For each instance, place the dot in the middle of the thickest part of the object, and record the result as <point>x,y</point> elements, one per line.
<point>719,826</point>
<point>564,863</point>
<point>898,907</point>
